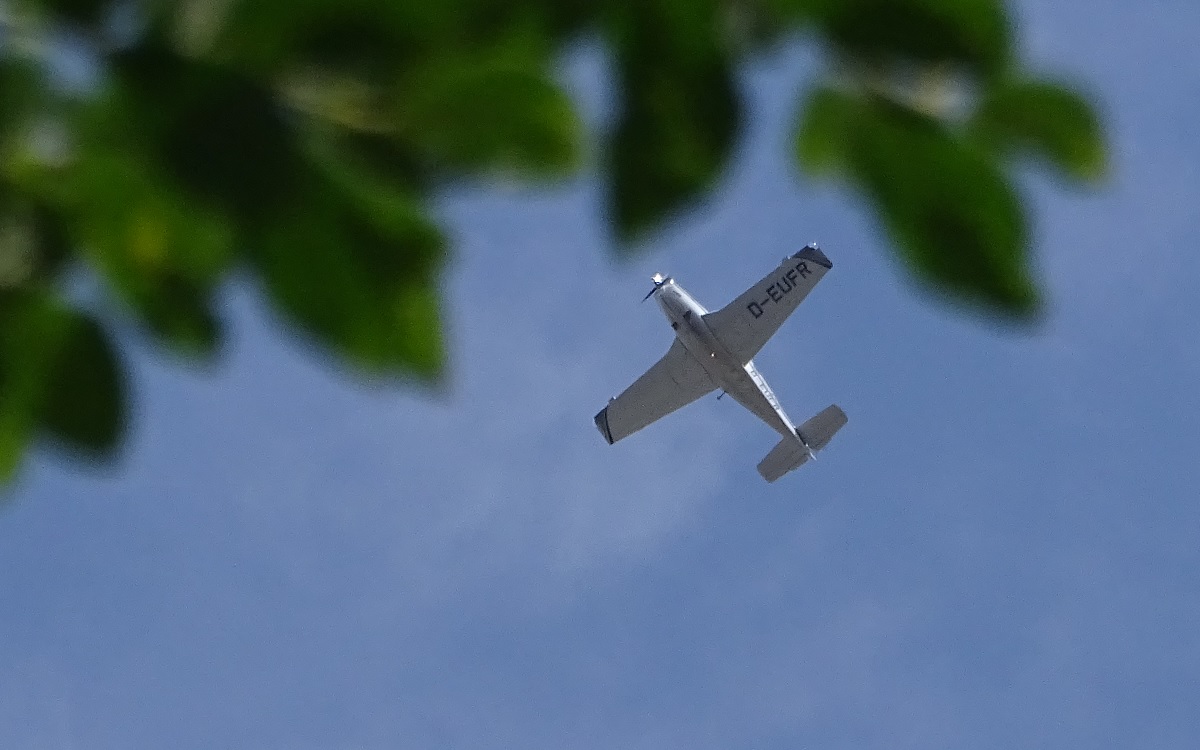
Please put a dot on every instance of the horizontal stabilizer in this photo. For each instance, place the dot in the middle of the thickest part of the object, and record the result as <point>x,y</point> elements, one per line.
<point>818,431</point>
<point>792,453</point>
<point>788,455</point>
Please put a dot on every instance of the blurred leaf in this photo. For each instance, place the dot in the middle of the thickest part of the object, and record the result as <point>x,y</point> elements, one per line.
<point>371,38</point>
<point>18,247</point>
<point>20,91</point>
<point>56,368</point>
<point>973,33</point>
<point>180,313</point>
<point>54,250</point>
<point>1046,120</point>
<point>82,12</point>
<point>307,134</point>
<point>84,403</point>
<point>754,25</point>
<point>955,219</point>
<point>377,39</point>
<point>821,141</point>
<point>797,11</point>
<point>358,270</point>
<point>681,111</point>
<point>949,208</point>
<point>385,158</point>
<point>220,135</point>
<point>266,34</point>
<point>480,114</point>
<point>26,321</point>
<point>141,225</point>
<point>161,253</point>
<point>33,245</point>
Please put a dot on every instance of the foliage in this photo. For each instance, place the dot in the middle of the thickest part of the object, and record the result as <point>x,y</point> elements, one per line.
<point>301,140</point>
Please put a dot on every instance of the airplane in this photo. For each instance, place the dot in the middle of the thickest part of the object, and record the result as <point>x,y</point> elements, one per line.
<point>716,350</point>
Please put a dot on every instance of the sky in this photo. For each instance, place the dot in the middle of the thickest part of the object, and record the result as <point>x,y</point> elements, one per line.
<point>999,550</point>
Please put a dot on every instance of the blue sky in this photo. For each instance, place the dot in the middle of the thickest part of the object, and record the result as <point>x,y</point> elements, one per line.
<point>999,550</point>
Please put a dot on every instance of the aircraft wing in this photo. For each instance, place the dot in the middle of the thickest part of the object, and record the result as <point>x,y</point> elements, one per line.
<point>673,382</point>
<point>745,324</point>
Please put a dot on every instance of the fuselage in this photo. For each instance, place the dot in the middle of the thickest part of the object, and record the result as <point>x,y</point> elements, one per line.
<point>686,316</point>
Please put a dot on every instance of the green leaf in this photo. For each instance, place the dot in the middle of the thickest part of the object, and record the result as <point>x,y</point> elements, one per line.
<point>21,90</point>
<point>33,244</point>
<point>27,322</point>
<point>952,213</point>
<point>57,370</point>
<point>366,36</point>
<point>1046,120</point>
<point>180,313</point>
<point>821,139</point>
<point>162,253</point>
<point>83,12</point>
<point>376,39</point>
<point>766,23</point>
<point>84,401</point>
<point>681,111</point>
<point>385,158</point>
<point>357,269</point>
<point>54,249</point>
<point>973,33</point>
<point>220,135</point>
<point>139,225</point>
<point>486,114</point>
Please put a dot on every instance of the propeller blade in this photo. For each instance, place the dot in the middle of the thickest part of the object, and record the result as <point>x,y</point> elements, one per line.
<point>658,281</point>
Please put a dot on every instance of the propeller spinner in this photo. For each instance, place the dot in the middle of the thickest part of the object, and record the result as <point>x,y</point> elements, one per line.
<point>658,280</point>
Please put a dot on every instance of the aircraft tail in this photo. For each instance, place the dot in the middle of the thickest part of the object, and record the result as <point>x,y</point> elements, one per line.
<point>811,436</point>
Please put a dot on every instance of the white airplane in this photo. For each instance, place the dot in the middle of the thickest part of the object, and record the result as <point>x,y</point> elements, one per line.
<point>716,350</point>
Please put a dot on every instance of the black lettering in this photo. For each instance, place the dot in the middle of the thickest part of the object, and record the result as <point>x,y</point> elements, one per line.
<point>773,293</point>
<point>802,269</point>
<point>789,284</point>
<point>755,309</point>
<point>791,275</point>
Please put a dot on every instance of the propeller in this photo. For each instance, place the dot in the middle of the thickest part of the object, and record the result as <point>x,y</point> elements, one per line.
<point>658,280</point>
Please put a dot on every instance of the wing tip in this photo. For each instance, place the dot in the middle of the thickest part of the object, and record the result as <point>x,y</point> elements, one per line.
<point>602,425</point>
<point>814,254</point>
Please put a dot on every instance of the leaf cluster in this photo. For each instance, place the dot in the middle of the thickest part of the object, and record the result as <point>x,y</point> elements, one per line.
<point>300,141</point>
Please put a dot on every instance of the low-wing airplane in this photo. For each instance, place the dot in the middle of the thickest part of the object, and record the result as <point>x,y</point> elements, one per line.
<point>716,350</point>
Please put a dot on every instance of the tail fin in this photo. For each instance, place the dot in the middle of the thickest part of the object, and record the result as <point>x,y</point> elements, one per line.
<point>813,435</point>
